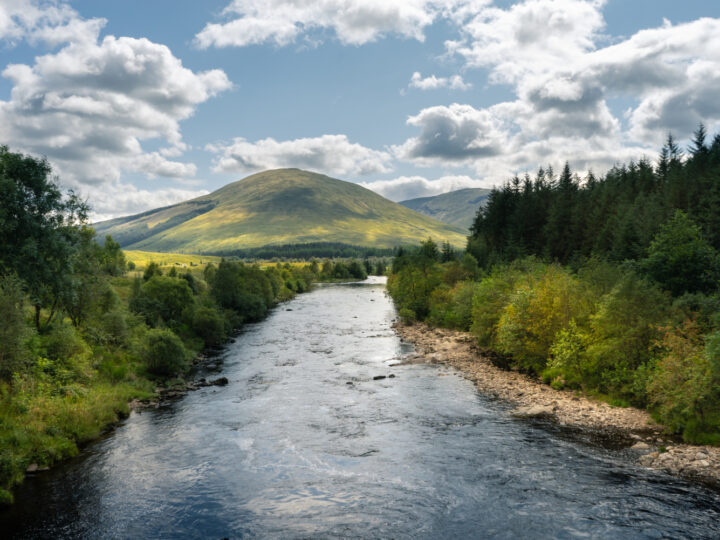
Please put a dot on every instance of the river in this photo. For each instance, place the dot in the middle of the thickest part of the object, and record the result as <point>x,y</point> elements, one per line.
<point>303,443</point>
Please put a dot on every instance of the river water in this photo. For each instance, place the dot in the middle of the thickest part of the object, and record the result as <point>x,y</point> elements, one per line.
<point>290,449</point>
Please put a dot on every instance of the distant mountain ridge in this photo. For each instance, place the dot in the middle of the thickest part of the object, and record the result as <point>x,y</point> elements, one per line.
<point>457,208</point>
<point>283,206</point>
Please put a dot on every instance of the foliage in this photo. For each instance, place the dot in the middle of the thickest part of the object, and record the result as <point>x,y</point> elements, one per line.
<point>683,389</point>
<point>209,325</point>
<point>40,230</point>
<point>680,259</point>
<point>537,310</point>
<point>13,329</point>
<point>164,354</point>
<point>163,299</point>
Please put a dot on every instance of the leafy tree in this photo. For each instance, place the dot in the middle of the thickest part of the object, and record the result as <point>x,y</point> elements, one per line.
<point>39,230</point>
<point>680,259</point>
<point>13,329</point>
<point>164,354</point>
<point>163,298</point>
<point>153,269</point>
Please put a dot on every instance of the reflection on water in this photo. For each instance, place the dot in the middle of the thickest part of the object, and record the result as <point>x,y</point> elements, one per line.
<point>303,443</point>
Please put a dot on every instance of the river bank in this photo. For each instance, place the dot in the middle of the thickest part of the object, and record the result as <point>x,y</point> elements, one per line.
<point>645,438</point>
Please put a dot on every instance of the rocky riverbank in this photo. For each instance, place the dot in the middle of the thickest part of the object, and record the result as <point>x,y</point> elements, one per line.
<point>642,435</point>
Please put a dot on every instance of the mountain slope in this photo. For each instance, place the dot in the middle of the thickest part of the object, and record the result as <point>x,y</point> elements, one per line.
<point>284,206</point>
<point>456,208</point>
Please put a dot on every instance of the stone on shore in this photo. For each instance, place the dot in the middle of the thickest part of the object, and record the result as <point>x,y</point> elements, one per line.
<point>533,411</point>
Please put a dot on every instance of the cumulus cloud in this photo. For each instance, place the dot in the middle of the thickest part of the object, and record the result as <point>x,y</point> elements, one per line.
<point>89,105</point>
<point>564,75</point>
<point>412,187</point>
<point>44,20</point>
<point>454,82</point>
<point>353,22</point>
<point>124,199</point>
<point>455,133</point>
<point>330,154</point>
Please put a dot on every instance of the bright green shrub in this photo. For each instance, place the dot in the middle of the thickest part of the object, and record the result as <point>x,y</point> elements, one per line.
<point>684,390</point>
<point>537,311</point>
<point>567,357</point>
<point>164,354</point>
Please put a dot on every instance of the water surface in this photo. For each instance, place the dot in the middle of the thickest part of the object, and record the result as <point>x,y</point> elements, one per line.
<point>289,449</point>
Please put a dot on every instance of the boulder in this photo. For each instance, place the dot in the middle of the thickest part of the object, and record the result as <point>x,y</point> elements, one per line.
<point>379,377</point>
<point>533,411</point>
<point>222,381</point>
<point>640,446</point>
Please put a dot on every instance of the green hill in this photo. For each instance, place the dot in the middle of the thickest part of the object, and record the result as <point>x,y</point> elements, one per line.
<point>284,206</point>
<point>456,208</point>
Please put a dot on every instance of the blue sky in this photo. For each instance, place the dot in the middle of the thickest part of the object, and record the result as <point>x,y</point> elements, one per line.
<point>139,104</point>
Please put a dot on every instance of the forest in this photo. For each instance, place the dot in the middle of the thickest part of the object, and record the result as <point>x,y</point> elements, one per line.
<point>606,285</point>
<point>80,336</point>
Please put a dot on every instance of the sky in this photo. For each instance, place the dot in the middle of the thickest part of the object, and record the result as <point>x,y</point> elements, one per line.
<point>139,104</point>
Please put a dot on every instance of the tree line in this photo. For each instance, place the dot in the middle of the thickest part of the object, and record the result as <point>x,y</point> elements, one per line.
<point>607,285</point>
<point>80,337</point>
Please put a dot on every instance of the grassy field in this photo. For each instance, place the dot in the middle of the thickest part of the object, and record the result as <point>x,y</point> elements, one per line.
<point>166,260</point>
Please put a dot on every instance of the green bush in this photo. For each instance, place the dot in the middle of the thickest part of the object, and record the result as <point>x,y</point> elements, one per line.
<point>164,354</point>
<point>209,325</point>
<point>162,298</point>
<point>622,333</point>
<point>63,343</point>
<point>683,390</point>
<point>538,310</point>
<point>115,327</point>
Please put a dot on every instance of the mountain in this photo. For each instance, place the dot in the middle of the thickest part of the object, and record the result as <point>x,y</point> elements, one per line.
<point>456,208</point>
<point>283,206</point>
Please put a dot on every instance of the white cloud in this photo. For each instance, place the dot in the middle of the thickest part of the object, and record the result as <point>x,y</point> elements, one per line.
<point>89,106</point>
<point>329,154</point>
<point>534,36</point>
<point>456,133</point>
<point>454,82</point>
<point>553,55</point>
<point>125,199</point>
<point>412,187</point>
<point>353,22</point>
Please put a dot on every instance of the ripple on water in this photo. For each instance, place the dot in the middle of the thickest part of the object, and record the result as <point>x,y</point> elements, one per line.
<point>289,450</point>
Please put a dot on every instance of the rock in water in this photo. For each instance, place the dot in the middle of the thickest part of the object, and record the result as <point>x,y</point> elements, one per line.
<point>222,381</point>
<point>378,377</point>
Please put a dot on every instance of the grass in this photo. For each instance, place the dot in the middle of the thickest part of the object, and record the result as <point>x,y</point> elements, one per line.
<point>167,260</point>
<point>42,423</point>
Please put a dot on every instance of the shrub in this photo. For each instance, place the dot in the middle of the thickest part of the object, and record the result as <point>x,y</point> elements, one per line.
<point>537,311</point>
<point>567,356</point>
<point>164,354</point>
<point>622,333</point>
<point>63,343</point>
<point>407,315</point>
<point>683,389</point>
<point>115,327</point>
<point>162,298</point>
<point>209,325</point>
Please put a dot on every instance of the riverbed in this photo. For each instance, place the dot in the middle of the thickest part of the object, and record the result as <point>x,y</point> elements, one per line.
<point>304,442</point>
